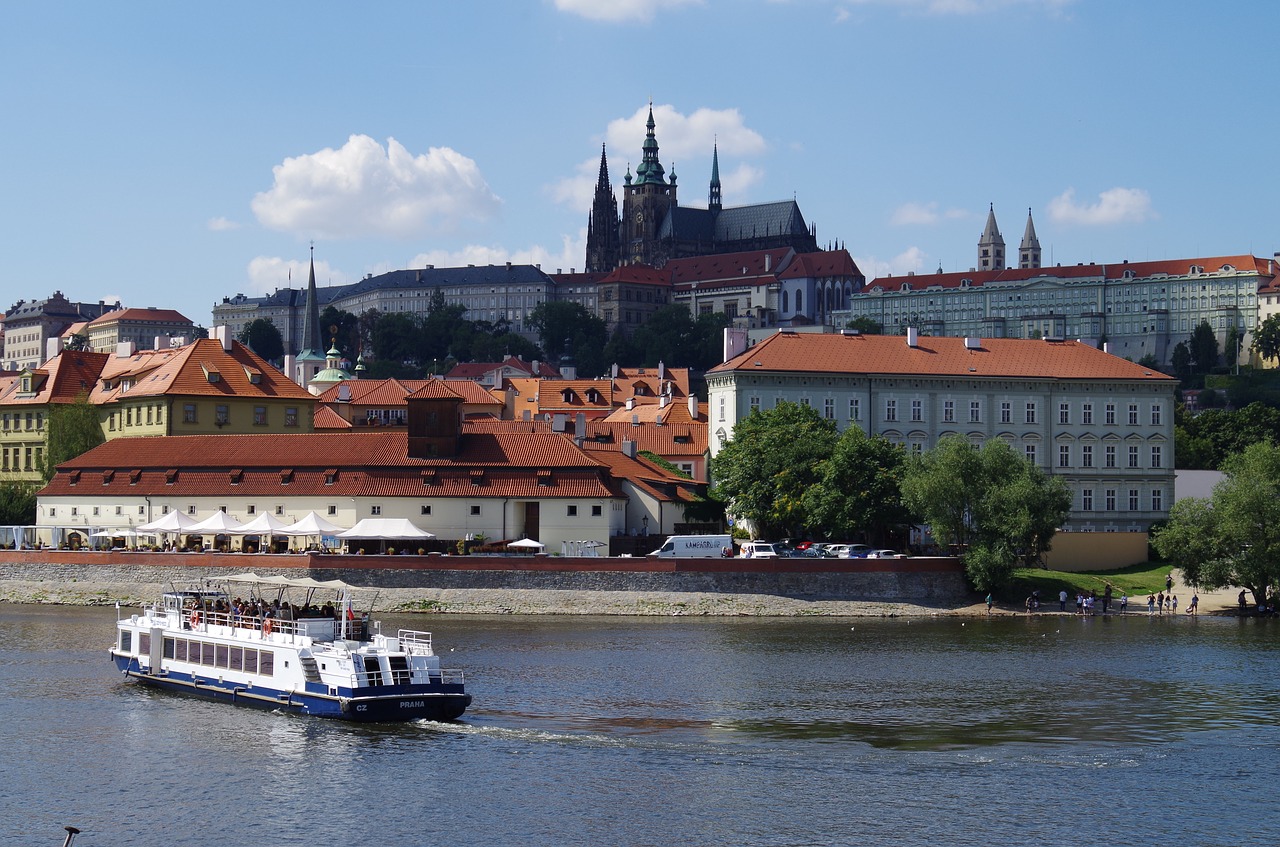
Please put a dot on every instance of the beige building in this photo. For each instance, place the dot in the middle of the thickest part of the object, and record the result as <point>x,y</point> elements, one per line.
<point>139,327</point>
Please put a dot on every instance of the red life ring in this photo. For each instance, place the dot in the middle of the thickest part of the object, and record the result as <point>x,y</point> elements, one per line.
<point>266,626</point>
<point>195,618</point>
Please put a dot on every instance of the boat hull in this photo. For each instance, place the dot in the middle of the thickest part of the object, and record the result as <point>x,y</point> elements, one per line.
<point>437,702</point>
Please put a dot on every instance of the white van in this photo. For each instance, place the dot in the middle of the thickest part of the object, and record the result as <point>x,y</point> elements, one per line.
<point>694,547</point>
<point>758,550</point>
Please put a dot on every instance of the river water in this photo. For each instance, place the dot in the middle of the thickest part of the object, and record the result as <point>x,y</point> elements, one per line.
<point>607,731</point>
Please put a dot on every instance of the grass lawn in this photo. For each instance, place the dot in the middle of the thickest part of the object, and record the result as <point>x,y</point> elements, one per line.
<point>1146,578</point>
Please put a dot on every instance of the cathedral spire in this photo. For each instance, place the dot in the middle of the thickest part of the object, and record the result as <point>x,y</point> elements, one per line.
<point>602,181</point>
<point>650,169</point>
<point>603,244</point>
<point>1029,251</point>
<point>991,245</point>
<point>713,201</point>
<point>311,339</point>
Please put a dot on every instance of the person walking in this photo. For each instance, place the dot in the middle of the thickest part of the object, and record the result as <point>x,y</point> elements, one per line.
<point>1151,604</point>
<point>1193,608</point>
<point>989,604</point>
<point>1106,599</point>
<point>1168,582</point>
<point>1124,602</point>
<point>1160,602</point>
<point>1062,600</point>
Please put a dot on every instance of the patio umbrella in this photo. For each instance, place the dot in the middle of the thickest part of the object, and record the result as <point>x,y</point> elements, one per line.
<point>311,524</point>
<point>264,524</point>
<point>527,544</point>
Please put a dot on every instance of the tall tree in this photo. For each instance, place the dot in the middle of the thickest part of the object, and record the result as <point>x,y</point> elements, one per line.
<point>990,501</point>
<point>262,337</point>
<point>865,325</point>
<point>74,428</point>
<point>343,328</point>
<point>1266,338</point>
<point>1233,537</point>
<point>1180,361</point>
<point>858,493</point>
<point>774,457</point>
<point>17,503</point>
<point>1203,347</point>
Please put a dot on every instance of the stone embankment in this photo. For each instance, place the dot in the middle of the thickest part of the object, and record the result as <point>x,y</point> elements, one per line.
<point>518,584</point>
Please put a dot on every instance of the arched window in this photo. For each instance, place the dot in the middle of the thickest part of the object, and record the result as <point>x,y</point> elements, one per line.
<point>784,300</point>
<point>799,301</point>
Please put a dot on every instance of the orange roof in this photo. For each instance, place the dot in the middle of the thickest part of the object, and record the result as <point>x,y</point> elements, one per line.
<point>385,393</point>
<point>733,267</point>
<point>654,480</point>
<point>638,275</point>
<point>60,380</point>
<point>824,263</point>
<point>326,418</point>
<point>434,389</point>
<point>168,316</point>
<point>935,356</point>
<point>670,441</point>
<point>189,370</point>
<point>1108,271</point>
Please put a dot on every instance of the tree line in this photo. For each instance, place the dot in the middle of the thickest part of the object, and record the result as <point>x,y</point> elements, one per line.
<point>791,474</point>
<point>403,344</point>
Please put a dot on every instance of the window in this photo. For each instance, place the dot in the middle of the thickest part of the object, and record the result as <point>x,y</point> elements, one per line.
<point>855,409</point>
<point>475,511</point>
<point>291,416</point>
<point>1111,414</point>
<point>259,415</point>
<point>890,410</point>
<point>1156,414</point>
<point>1156,457</point>
<point>721,408</point>
<point>1006,413</point>
<point>1111,455</point>
<point>191,510</point>
<point>252,510</point>
<point>280,510</point>
<point>1064,455</point>
<point>375,510</point>
<point>1086,500</point>
<point>829,409</point>
<point>1086,414</point>
<point>1133,414</point>
<point>189,413</point>
<point>119,510</point>
<point>975,411</point>
<point>917,411</point>
<point>1133,455</point>
<point>1031,413</point>
<point>1157,500</point>
<point>1030,450</point>
<point>948,411</point>
<point>1111,499</point>
<point>426,510</point>
<point>1133,499</point>
<point>95,511</point>
<point>804,401</point>
<point>1064,413</point>
<point>221,415</point>
<point>1086,455</point>
<point>755,404</point>
<point>571,511</point>
<point>597,511</point>
<point>333,510</point>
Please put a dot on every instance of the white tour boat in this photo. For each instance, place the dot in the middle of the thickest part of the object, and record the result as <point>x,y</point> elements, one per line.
<point>275,654</point>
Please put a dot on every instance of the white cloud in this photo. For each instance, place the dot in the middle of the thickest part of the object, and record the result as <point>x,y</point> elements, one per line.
<point>569,255</point>
<point>923,214</point>
<point>1115,205</point>
<point>364,190</point>
<point>618,11</point>
<point>222,225</point>
<point>910,260</point>
<point>684,143</point>
<point>267,273</point>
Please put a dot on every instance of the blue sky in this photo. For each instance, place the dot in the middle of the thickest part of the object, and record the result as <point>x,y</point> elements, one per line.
<point>171,154</point>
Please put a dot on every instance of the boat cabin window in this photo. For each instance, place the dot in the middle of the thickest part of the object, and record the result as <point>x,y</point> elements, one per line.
<point>126,641</point>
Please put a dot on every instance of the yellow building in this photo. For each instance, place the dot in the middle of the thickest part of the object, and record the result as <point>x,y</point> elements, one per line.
<point>25,401</point>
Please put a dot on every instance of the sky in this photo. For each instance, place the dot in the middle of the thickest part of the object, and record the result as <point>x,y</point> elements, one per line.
<point>172,154</point>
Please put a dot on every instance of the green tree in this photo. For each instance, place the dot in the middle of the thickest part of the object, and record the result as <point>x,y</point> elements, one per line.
<point>1233,537</point>
<point>1203,347</point>
<point>261,336</point>
<point>774,457</point>
<point>343,329</point>
<point>1216,434</point>
<point>74,428</point>
<point>865,325</point>
<point>17,503</point>
<point>858,493</point>
<point>1266,338</point>
<point>1181,361</point>
<point>991,502</point>
<point>78,341</point>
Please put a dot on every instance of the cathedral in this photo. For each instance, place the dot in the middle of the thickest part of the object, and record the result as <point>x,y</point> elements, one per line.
<point>655,228</point>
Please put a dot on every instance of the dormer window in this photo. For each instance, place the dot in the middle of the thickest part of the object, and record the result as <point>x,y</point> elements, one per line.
<point>477,477</point>
<point>171,476</point>
<point>237,476</point>
<point>74,477</point>
<point>108,476</point>
<point>544,478</point>
<point>286,476</point>
<point>331,476</point>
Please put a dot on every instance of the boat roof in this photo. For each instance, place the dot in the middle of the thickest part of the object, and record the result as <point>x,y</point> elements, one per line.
<point>301,582</point>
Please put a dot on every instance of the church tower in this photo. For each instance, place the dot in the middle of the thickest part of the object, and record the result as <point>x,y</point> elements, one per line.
<point>603,247</point>
<point>713,199</point>
<point>991,245</point>
<point>1029,250</point>
<point>645,203</point>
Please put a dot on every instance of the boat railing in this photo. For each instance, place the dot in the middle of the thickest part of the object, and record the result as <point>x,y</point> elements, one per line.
<point>415,642</point>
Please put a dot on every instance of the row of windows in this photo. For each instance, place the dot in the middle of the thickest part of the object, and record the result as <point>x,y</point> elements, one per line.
<point>230,657</point>
<point>1029,413</point>
<point>21,458</point>
<point>1111,498</point>
<point>97,510</point>
<point>1110,456</point>
<point>475,510</point>
<point>222,415</point>
<point>14,422</point>
<point>130,416</point>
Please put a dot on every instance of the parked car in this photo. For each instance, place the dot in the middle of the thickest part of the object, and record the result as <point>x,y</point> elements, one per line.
<point>758,550</point>
<point>855,551</point>
<point>884,554</point>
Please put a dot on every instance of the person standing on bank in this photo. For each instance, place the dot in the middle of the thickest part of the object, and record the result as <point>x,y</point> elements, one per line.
<point>1062,600</point>
<point>989,603</point>
<point>1168,582</point>
<point>1124,602</point>
<point>1193,608</point>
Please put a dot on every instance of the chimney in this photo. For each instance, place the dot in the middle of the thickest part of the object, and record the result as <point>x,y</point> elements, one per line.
<point>913,337</point>
<point>693,407</point>
<point>125,349</point>
<point>52,347</point>
<point>631,403</point>
<point>580,426</point>
<point>291,367</point>
<point>768,264</point>
<point>559,422</point>
<point>662,370</point>
<point>735,341</point>
<point>662,401</point>
<point>972,343</point>
<point>629,448</point>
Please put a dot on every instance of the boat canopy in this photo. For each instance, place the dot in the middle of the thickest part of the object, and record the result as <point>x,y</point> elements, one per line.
<point>285,582</point>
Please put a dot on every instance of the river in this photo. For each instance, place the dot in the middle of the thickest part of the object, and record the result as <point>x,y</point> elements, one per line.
<point>698,731</point>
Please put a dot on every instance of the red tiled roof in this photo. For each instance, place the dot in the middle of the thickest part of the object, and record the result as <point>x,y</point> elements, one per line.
<point>185,372</point>
<point>168,316</point>
<point>678,440</point>
<point>326,418</point>
<point>729,266</point>
<point>824,263</point>
<point>935,356</point>
<point>65,377</point>
<point>638,275</point>
<point>653,479</point>
<point>1108,271</point>
<point>434,389</point>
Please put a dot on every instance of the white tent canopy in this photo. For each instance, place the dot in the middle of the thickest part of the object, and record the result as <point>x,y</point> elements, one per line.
<point>385,529</point>
<point>289,582</point>
<point>168,522</point>
<point>264,524</point>
<point>218,522</point>
<point>527,544</point>
<point>310,524</point>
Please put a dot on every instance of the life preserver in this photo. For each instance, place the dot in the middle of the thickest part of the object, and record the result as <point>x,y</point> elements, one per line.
<point>195,618</point>
<point>266,626</point>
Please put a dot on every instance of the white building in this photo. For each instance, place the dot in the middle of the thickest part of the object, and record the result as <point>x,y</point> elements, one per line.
<point>1104,424</point>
